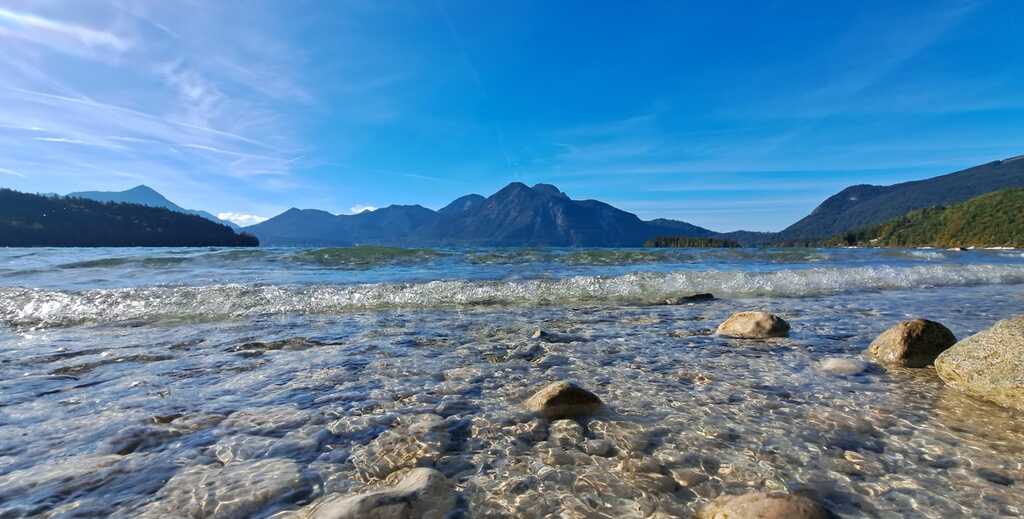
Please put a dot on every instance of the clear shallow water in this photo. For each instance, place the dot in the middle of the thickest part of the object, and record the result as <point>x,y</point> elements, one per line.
<point>236,383</point>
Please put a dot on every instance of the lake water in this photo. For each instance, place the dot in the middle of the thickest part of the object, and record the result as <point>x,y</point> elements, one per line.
<point>252,382</point>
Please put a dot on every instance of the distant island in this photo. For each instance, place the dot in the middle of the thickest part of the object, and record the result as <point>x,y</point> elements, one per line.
<point>28,220</point>
<point>990,220</point>
<point>690,242</point>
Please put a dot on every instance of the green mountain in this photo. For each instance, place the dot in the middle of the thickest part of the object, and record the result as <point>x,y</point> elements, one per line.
<point>39,221</point>
<point>860,206</point>
<point>991,220</point>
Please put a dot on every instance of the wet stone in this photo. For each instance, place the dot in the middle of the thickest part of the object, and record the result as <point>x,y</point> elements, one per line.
<point>267,421</point>
<point>760,505</point>
<point>911,344</point>
<point>842,366</point>
<point>563,400</point>
<point>565,433</point>
<point>417,441</point>
<point>553,337</point>
<point>695,298</point>
<point>421,493</point>
<point>753,325</point>
<point>602,448</point>
<point>238,490</point>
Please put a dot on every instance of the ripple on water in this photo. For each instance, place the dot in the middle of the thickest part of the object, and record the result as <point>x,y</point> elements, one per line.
<point>171,418</point>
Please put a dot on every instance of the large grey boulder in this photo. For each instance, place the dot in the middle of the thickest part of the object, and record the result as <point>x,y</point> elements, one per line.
<point>423,493</point>
<point>911,344</point>
<point>753,325</point>
<point>761,505</point>
<point>563,399</point>
<point>989,364</point>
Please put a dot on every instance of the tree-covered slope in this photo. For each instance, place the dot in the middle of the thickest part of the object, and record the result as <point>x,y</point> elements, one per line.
<point>992,220</point>
<point>860,206</point>
<point>145,195</point>
<point>28,220</point>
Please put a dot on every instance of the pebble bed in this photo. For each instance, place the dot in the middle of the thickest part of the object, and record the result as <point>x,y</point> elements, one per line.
<point>262,416</point>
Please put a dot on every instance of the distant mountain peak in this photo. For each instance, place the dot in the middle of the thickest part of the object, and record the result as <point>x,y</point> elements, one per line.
<point>550,190</point>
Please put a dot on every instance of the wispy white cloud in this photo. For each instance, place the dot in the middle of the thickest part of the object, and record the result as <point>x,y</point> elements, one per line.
<point>242,219</point>
<point>41,30</point>
<point>11,172</point>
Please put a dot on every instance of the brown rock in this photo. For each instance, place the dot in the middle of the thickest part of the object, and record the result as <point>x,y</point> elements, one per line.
<point>753,325</point>
<point>760,505</point>
<point>911,344</point>
<point>563,400</point>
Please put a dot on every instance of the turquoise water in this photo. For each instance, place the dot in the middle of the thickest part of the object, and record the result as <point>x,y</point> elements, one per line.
<point>250,383</point>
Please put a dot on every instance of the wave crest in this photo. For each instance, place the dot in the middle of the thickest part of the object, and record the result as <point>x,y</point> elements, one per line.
<point>36,307</point>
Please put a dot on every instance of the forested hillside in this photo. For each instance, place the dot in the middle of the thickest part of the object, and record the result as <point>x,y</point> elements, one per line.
<point>990,220</point>
<point>28,220</point>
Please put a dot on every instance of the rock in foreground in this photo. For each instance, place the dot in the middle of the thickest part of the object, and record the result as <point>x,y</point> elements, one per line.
<point>911,344</point>
<point>563,400</point>
<point>989,364</point>
<point>423,493</point>
<point>760,505</point>
<point>753,325</point>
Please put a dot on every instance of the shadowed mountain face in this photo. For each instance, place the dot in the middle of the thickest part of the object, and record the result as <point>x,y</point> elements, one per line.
<point>860,206</point>
<point>145,195</point>
<point>516,215</point>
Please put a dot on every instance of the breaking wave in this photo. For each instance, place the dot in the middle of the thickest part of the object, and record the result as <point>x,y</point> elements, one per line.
<point>42,308</point>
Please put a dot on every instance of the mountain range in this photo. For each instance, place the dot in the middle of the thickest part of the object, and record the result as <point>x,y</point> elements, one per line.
<point>145,195</point>
<point>518,214</point>
<point>543,215</point>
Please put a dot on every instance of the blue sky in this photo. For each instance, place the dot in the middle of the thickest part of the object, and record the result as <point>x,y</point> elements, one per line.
<point>733,115</point>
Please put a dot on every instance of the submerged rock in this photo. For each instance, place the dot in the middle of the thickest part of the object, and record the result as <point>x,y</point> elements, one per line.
<point>418,441</point>
<point>761,505</point>
<point>566,434</point>
<point>695,298</point>
<point>989,364</point>
<point>423,493</point>
<point>237,490</point>
<point>563,400</point>
<point>753,325</point>
<point>841,366</point>
<point>911,344</point>
<point>553,337</point>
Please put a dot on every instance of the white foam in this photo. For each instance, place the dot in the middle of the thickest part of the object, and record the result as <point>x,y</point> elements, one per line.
<point>36,307</point>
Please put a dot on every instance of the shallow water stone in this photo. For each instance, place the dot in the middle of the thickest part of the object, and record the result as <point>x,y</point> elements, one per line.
<point>989,364</point>
<point>422,493</point>
<point>238,490</point>
<point>761,505</point>
<point>418,441</point>
<point>911,344</point>
<point>267,420</point>
<point>532,431</point>
<point>695,298</point>
<point>753,325</point>
<point>363,428</point>
<point>136,438</point>
<point>244,447</point>
<point>602,448</point>
<point>546,336</point>
<point>688,477</point>
<point>563,399</point>
<point>565,433</point>
<point>842,366</point>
